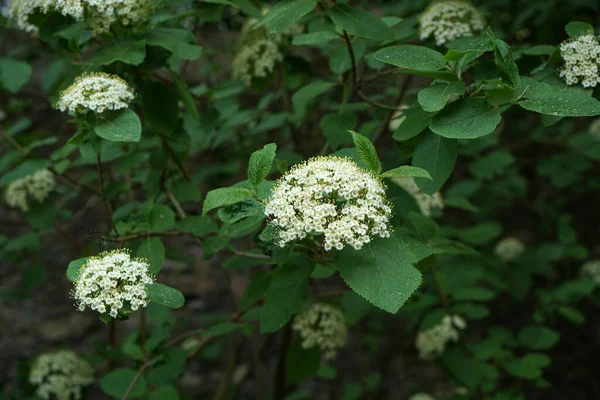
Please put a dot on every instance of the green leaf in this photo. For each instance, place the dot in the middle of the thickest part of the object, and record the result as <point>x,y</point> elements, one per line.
<point>255,289</point>
<point>577,28</point>
<point>162,218</point>
<point>287,292</point>
<point>407,170</point>
<point>300,363</point>
<point>415,122</point>
<point>528,367</point>
<point>14,74</point>
<point>307,94</point>
<point>220,329</point>
<point>116,383</point>
<point>167,296</point>
<point>198,225</point>
<point>185,95</point>
<point>435,97</point>
<point>436,155</point>
<point>74,268</point>
<point>360,23</point>
<point>335,128</point>
<point>366,151</point>
<point>180,42</point>
<point>165,393</point>
<point>538,337</point>
<point>318,38</point>
<point>540,50</point>
<point>126,51</point>
<point>260,163</point>
<point>284,14</point>
<point>412,57</point>
<point>556,100</point>
<point>27,167</point>
<point>463,368</point>
<point>382,272</point>
<point>223,197</point>
<point>160,107</point>
<point>467,118</point>
<point>119,126</point>
<point>153,250</point>
<point>504,60</point>
<point>473,293</point>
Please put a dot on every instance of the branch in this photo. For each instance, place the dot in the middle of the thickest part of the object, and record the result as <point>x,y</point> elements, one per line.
<point>173,157</point>
<point>355,82</point>
<point>390,115</point>
<point>103,194</point>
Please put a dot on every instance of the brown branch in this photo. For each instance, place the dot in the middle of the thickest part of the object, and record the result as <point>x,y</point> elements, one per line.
<point>137,377</point>
<point>13,142</point>
<point>103,194</point>
<point>390,115</point>
<point>352,61</point>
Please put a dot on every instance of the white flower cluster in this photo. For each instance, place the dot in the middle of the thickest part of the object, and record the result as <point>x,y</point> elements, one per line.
<point>582,59</point>
<point>36,186</point>
<point>509,248</point>
<point>112,281</point>
<point>448,20</point>
<point>426,202</point>
<point>432,342</point>
<point>330,196</point>
<point>397,118</point>
<point>61,375</point>
<point>102,13</point>
<point>591,269</point>
<point>98,92</point>
<point>421,396</point>
<point>321,325</point>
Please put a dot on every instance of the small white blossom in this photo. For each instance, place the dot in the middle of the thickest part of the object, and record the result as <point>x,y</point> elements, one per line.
<point>98,92</point>
<point>397,118</point>
<point>323,326</point>
<point>102,13</point>
<point>331,196</point>
<point>112,281</point>
<point>591,269</point>
<point>594,129</point>
<point>256,60</point>
<point>448,20</point>
<point>509,249</point>
<point>36,186</point>
<point>582,59</point>
<point>426,202</point>
<point>433,341</point>
<point>421,396</point>
<point>60,375</point>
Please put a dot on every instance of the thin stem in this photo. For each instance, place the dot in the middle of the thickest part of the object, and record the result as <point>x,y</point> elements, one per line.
<point>390,115</point>
<point>13,142</point>
<point>174,158</point>
<point>353,62</point>
<point>376,103</point>
<point>137,377</point>
<point>103,194</point>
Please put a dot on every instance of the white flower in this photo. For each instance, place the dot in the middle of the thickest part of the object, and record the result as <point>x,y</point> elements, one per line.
<point>397,118</point>
<point>509,249</point>
<point>112,281</point>
<point>103,13</point>
<point>432,342</point>
<point>421,396</point>
<point>426,202</point>
<point>582,59</point>
<point>98,92</point>
<point>321,325</point>
<point>591,269</point>
<point>256,60</point>
<point>331,196</point>
<point>36,186</point>
<point>60,375</point>
<point>448,20</point>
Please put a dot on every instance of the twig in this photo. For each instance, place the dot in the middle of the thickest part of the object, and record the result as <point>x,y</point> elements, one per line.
<point>376,103</point>
<point>103,194</point>
<point>137,377</point>
<point>250,255</point>
<point>353,62</point>
<point>174,158</point>
<point>390,115</point>
<point>13,142</point>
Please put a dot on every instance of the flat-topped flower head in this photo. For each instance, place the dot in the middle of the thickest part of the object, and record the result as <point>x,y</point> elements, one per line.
<point>60,375</point>
<point>323,326</point>
<point>509,248</point>
<point>19,11</point>
<point>112,283</point>
<point>448,20</point>
<point>427,203</point>
<point>97,92</point>
<point>582,59</point>
<point>591,269</point>
<point>104,13</point>
<point>432,342</point>
<point>36,186</point>
<point>333,197</point>
<point>256,60</point>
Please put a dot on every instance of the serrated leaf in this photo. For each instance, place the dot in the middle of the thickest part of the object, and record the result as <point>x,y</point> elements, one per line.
<point>75,267</point>
<point>435,97</point>
<point>360,23</point>
<point>126,51</point>
<point>411,57</point>
<point>557,100</point>
<point>119,126</point>
<point>366,151</point>
<point>382,272</point>
<point>223,197</point>
<point>407,170</point>
<point>164,295</point>
<point>436,155</point>
<point>116,383</point>
<point>504,60</point>
<point>260,163</point>
<point>162,218</point>
<point>467,118</point>
<point>284,14</point>
<point>153,250</point>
